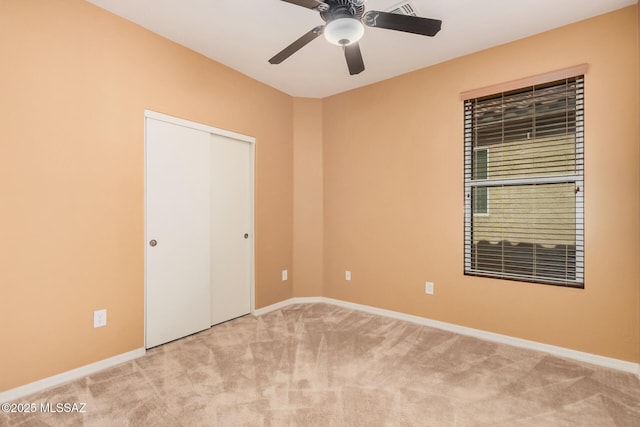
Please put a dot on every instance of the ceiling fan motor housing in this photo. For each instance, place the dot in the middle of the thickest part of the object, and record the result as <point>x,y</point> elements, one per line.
<point>342,9</point>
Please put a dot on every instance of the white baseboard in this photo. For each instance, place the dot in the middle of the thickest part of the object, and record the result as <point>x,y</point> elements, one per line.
<point>594,359</point>
<point>74,374</point>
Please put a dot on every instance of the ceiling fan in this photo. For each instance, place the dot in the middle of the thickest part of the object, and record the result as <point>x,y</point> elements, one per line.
<point>345,21</point>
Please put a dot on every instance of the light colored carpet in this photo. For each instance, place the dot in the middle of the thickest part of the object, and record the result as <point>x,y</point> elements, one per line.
<point>322,365</point>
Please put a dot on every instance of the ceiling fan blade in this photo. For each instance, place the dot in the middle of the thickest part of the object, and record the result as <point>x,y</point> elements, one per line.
<point>406,23</point>
<point>310,4</point>
<point>354,58</point>
<point>297,45</point>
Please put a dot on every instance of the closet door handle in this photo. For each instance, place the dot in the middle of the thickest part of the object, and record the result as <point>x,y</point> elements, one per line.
<point>246,235</point>
<point>153,242</point>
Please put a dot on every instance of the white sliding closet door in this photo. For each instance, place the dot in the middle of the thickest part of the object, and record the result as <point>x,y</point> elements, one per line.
<point>178,230</point>
<point>231,267</point>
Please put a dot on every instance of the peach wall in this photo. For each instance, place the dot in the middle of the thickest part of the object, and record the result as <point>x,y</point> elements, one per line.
<point>393,194</point>
<point>74,83</point>
<point>307,198</point>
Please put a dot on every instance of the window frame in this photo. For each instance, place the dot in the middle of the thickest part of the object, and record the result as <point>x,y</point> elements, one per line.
<point>577,179</point>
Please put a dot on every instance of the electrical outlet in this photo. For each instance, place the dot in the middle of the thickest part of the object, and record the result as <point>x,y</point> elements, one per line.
<point>100,318</point>
<point>347,275</point>
<point>428,288</point>
<point>285,275</point>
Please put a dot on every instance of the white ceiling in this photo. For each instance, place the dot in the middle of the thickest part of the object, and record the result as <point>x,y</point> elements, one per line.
<point>245,34</point>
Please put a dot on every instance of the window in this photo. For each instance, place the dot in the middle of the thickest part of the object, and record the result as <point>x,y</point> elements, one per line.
<point>534,180</point>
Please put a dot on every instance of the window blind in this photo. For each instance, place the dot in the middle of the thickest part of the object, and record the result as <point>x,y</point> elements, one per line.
<point>524,184</point>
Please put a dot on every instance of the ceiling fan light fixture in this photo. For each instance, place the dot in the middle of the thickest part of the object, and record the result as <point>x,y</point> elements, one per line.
<point>344,31</point>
